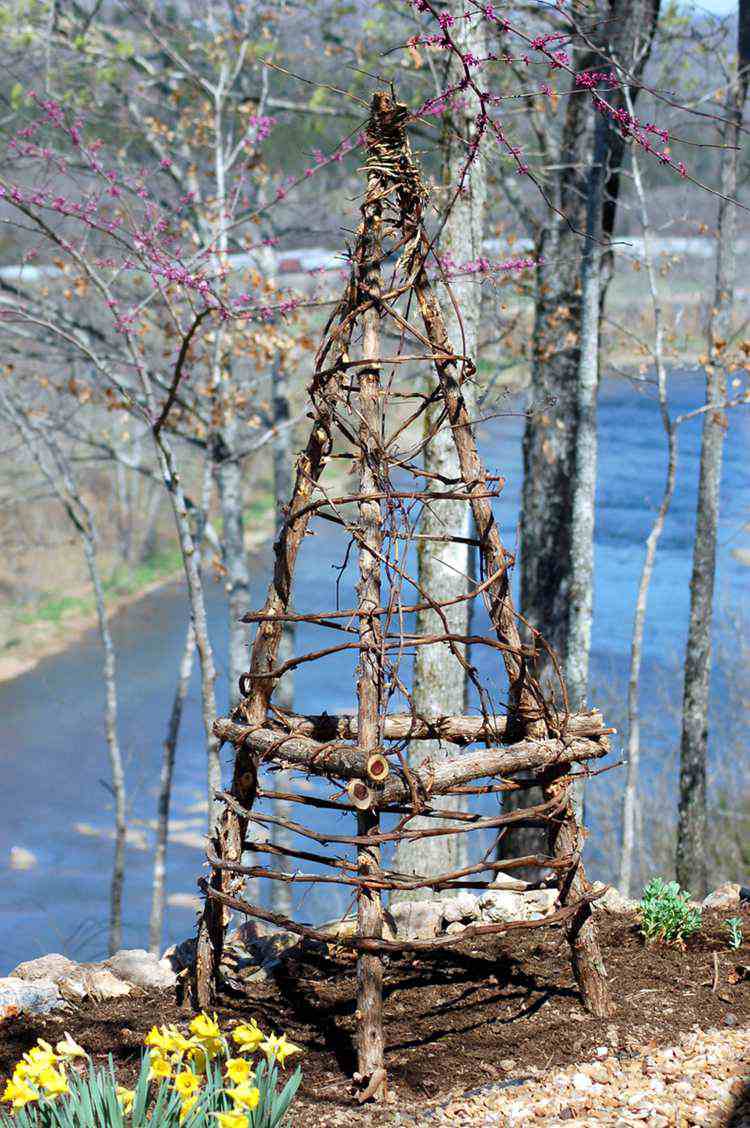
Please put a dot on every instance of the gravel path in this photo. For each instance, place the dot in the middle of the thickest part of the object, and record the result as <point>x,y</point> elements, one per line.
<point>703,1080</point>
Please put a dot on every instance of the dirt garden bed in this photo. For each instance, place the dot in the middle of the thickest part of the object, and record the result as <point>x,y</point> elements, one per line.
<point>500,1011</point>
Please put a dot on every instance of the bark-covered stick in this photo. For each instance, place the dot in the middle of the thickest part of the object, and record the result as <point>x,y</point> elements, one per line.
<point>369,1014</point>
<point>344,761</point>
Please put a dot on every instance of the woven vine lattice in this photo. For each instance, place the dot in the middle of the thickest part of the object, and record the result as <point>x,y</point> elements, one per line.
<point>377,411</point>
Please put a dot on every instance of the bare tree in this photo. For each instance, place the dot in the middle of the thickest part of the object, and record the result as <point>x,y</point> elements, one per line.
<point>560,430</point>
<point>691,827</point>
<point>439,678</point>
<point>630,794</point>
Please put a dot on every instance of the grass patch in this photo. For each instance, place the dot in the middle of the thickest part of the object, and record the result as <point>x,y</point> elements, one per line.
<point>123,581</point>
<point>55,608</point>
<point>128,580</point>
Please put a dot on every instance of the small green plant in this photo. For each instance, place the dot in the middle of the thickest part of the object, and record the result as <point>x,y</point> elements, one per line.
<point>666,914</point>
<point>734,924</point>
<point>185,1081</point>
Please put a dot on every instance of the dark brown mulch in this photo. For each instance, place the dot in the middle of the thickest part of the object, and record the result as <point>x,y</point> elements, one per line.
<point>504,1010</point>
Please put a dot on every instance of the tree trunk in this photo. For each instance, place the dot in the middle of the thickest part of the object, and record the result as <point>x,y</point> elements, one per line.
<point>234,554</point>
<point>198,616</point>
<point>583,487</point>
<point>159,883</point>
<point>439,679</point>
<point>548,557</point>
<point>691,823</point>
<point>630,808</point>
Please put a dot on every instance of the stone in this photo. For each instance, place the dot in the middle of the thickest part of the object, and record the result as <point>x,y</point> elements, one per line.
<point>346,928</point>
<point>499,905</point>
<point>141,968</point>
<point>464,906</point>
<point>100,983</point>
<point>538,903</point>
<point>418,920</point>
<point>73,987</point>
<point>727,896</point>
<point>454,928</point>
<point>505,881</point>
<point>18,996</point>
<point>180,956</point>
<point>52,966</point>
<point>613,901</point>
<point>21,858</point>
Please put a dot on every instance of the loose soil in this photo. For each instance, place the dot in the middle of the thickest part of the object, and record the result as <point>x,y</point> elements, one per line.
<point>502,1010</point>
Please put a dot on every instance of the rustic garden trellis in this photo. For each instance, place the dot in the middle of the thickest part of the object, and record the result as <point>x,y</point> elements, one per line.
<point>364,412</point>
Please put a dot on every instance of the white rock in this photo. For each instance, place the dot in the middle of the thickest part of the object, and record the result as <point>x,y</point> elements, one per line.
<point>38,997</point>
<point>538,903</point>
<point>100,983</point>
<point>613,901</point>
<point>581,1082</point>
<point>464,906</point>
<point>505,881</point>
<point>418,920</point>
<point>21,858</point>
<point>179,956</point>
<point>52,966</point>
<point>499,905</point>
<point>142,968</point>
<point>727,896</point>
<point>454,928</point>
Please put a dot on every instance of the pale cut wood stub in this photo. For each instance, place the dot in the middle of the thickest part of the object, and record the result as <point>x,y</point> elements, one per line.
<point>364,755</point>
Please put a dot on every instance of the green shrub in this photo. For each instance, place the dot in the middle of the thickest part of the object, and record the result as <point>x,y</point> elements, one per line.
<point>666,915</point>
<point>734,924</point>
<point>185,1081</point>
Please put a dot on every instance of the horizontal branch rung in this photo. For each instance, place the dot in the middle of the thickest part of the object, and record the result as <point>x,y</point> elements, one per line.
<point>345,761</point>
<point>455,729</point>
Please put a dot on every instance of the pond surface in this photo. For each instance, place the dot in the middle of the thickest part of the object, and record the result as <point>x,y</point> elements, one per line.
<point>55,802</point>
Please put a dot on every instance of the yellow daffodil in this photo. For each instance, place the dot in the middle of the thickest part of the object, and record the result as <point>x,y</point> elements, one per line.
<point>248,1036</point>
<point>205,1028</point>
<point>39,1058</point>
<point>157,1039</point>
<point>186,1083</point>
<point>231,1119</point>
<point>244,1096</point>
<point>207,1041</point>
<point>238,1070</point>
<point>187,1107</point>
<point>125,1098</point>
<point>19,1092</point>
<point>68,1049</point>
<point>160,1068</point>
<point>279,1048</point>
<point>53,1082</point>
<point>175,1041</point>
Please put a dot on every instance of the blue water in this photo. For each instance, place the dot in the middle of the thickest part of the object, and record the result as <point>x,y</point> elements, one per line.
<point>52,745</point>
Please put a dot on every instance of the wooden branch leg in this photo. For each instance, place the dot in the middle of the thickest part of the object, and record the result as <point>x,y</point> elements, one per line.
<point>566,839</point>
<point>370,1042</point>
<point>228,844</point>
<point>370,1066</point>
